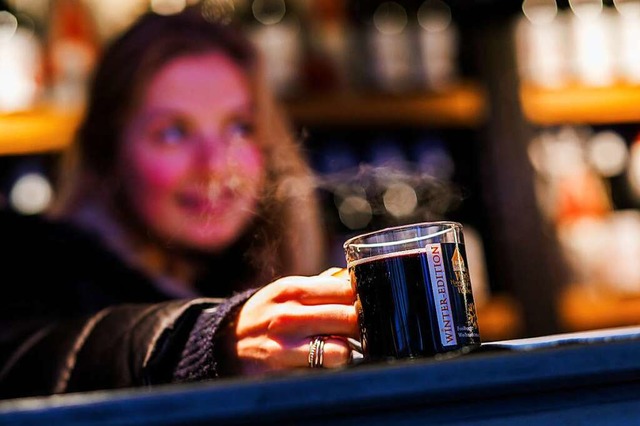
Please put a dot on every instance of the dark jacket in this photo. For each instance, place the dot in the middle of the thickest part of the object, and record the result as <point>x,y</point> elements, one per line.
<point>74,317</point>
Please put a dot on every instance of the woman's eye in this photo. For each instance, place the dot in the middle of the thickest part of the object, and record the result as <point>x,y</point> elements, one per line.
<point>172,134</point>
<point>242,129</point>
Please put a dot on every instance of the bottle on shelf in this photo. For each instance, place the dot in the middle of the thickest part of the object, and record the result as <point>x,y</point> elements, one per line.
<point>541,46</point>
<point>392,50</point>
<point>276,28</point>
<point>592,30</point>
<point>21,63</point>
<point>328,48</point>
<point>73,47</point>
<point>438,38</point>
<point>629,34</point>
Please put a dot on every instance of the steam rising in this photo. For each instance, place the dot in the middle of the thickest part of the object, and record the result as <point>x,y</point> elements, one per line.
<point>388,194</point>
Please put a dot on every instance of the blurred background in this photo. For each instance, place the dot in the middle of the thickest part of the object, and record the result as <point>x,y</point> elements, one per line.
<point>518,119</point>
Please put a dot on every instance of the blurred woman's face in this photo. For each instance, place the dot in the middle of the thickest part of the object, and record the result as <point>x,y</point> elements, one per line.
<point>190,164</point>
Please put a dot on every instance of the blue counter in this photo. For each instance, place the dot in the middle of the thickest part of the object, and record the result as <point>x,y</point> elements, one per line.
<point>590,378</point>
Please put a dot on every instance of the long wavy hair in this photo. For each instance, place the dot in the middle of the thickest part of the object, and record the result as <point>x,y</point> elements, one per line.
<point>286,237</point>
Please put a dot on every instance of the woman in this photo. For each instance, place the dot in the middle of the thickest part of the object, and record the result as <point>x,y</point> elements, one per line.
<point>183,183</point>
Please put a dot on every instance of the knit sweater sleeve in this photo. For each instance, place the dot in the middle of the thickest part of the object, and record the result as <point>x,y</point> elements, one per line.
<point>204,355</point>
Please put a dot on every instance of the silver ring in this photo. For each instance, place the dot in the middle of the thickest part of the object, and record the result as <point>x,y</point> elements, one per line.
<point>316,351</point>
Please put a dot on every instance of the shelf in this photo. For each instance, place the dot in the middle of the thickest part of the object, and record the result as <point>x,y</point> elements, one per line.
<point>460,106</point>
<point>580,105</point>
<point>44,129</point>
<point>583,308</point>
<point>499,318</point>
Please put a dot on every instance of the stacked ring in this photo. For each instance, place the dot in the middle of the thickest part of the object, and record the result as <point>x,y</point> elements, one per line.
<point>316,351</point>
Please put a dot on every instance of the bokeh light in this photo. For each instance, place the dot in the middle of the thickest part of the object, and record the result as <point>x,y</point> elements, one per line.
<point>586,9</point>
<point>269,12</point>
<point>608,154</point>
<point>540,12</point>
<point>8,26</point>
<point>628,8</point>
<point>167,7</point>
<point>355,212</point>
<point>434,15</point>
<point>390,18</point>
<point>400,199</point>
<point>31,194</point>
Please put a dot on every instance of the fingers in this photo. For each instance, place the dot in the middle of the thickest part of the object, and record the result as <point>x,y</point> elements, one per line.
<point>335,271</point>
<point>314,290</point>
<point>335,352</point>
<point>260,355</point>
<point>316,319</point>
<point>274,326</point>
<point>341,273</point>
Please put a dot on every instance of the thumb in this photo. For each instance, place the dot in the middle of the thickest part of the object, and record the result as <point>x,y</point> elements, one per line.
<point>335,272</point>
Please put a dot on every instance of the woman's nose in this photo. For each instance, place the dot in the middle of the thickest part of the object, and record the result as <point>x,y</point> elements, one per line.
<point>212,153</point>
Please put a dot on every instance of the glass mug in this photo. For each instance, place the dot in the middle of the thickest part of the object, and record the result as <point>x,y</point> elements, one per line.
<point>413,292</point>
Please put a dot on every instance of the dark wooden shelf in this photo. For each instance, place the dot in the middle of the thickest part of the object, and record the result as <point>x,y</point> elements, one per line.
<point>581,105</point>
<point>583,307</point>
<point>42,129</point>
<point>500,318</point>
<point>48,128</point>
<point>460,106</point>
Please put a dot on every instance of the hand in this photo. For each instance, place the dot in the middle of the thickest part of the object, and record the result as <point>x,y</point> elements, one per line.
<point>276,324</point>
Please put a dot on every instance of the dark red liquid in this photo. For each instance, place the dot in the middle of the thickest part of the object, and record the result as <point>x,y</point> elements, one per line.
<point>411,307</point>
